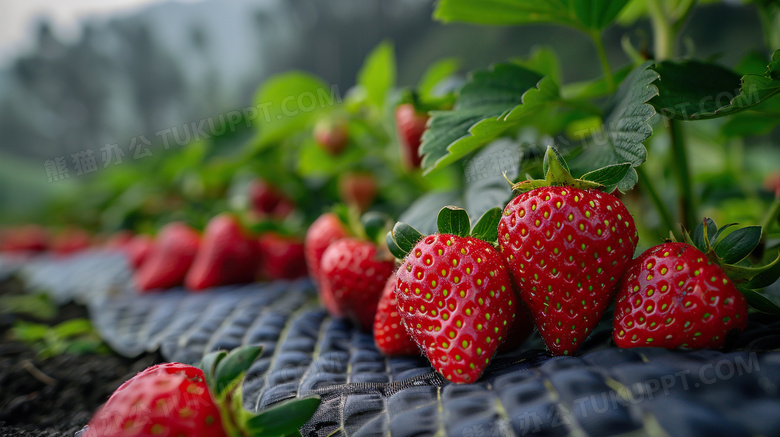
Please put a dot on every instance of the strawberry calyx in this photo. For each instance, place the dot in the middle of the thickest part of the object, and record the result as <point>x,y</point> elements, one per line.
<point>557,173</point>
<point>451,220</point>
<point>371,226</point>
<point>731,252</point>
<point>224,376</point>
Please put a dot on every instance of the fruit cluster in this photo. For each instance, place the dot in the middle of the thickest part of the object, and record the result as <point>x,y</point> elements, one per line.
<point>555,258</point>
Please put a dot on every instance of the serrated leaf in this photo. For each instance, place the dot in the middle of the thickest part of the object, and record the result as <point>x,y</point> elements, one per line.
<point>697,90</point>
<point>283,419</point>
<point>608,176</point>
<point>760,302</point>
<point>284,105</point>
<point>698,234</point>
<point>486,228</point>
<point>737,245</point>
<point>625,126</point>
<point>488,104</point>
<point>453,220</point>
<point>434,74</point>
<point>231,368</point>
<point>580,14</point>
<point>377,76</point>
<point>402,239</point>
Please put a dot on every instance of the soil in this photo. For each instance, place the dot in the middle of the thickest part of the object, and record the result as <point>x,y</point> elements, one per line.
<point>55,396</point>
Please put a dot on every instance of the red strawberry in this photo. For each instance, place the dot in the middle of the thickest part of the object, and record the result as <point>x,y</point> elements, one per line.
<point>353,274</point>
<point>390,333</point>
<point>324,231</point>
<point>268,201</point>
<point>566,249</point>
<point>174,399</point>
<point>169,399</point>
<point>331,135</point>
<point>282,257</point>
<point>119,240</point>
<point>521,329</point>
<point>358,190</point>
<point>25,239</point>
<point>70,241</point>
<point>410,125</point>
<point>227,255</point>
<point>673,296</point>
<point>138,249</point>
<point>170,259</point>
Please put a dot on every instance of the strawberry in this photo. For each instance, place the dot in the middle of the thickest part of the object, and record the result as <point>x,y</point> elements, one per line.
<point>410,125</point>
<point>566,246</point>
<point>454,292</point>
<point>521,329</point>
<point>70,241</point>
<point>282,257</point>
<point>138,249</point>
<point>358,190</point>
<point>170,259</point>
<point>175,399</point>
<point>25,239</point>
<point>327,229</point>
<point>119,240</point>
<point>331,135</point>
<point>353,274</point>
<point>268,201</point>
<point>390,333</point>
<point>227,255</point>
<point>680,294</point>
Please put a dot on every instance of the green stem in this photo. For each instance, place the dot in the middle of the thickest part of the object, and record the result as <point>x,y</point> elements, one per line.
<point>647,185</point>
<point>770,217</point>
<point>602,53</point>
<point>682,170</point>
<point>663,31</point>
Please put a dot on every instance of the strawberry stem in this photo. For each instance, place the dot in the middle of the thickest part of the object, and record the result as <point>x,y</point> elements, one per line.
<point>646,184</point>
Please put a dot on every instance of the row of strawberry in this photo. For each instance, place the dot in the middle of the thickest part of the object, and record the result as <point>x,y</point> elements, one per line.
<point>557,256</point>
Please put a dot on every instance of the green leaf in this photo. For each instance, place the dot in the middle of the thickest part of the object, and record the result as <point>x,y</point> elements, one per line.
<point>760,302</point>
<point>436,72</point>
<point>488,104</point>
<point>283,419</point>
<point>737,245</point>
<point>30,332</point>
<point>209,363</point>
<point>402,239</point>
<point>625,127</point>
<point>765,278</point>
<point>453,220</point>
<point>698,234</point>
<point>758,120</point>
<point>485,184</point>
<point>285,103</point>
<point>421,214</point>
<point>73,328</point>
<point>231,368</point>
<point>377,76</point>
<point>580,14</point>
<point>608,176</point>
<point>544,61</point>
<point>486,228</point>
<point>697,90</point>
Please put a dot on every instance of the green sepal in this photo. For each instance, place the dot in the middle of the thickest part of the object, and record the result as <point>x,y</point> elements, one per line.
<point>608,176</point>
<point>767,277</point>
<point>742,274</point>
<point>402,239</point>
<point>556,173</point>
<point>700,239</point>
<point>229,371</point>
<point>283,419</point>
<point>375,224</point>
<point>209,363</point>
<point>453,220</point>
<point>486,228</point>
<point>737,245</point>
<point>760,302</point>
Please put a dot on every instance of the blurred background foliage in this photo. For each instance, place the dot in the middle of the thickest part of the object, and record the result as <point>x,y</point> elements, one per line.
<point>144,80</point>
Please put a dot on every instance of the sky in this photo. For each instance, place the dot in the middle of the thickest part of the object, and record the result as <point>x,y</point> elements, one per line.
<point>18,18</point>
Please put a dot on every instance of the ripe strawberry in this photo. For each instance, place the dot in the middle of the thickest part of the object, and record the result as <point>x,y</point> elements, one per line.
<point>175,399</point>
<point>168,399</point>
<point>390,333</point>
<point>119,240</point>
<point>454,293</point>
<point>268,201</point>
<point>138,250</point>
<point>327,229</point>
<point>353,274</point>
<point>227,255</point>
<point>410,125</point>
<point>25,239</point>
<point>691,294</point>
<point>282,257</point>
<point>170,259</point>
<point>331,135</point>
<point>566,249</point>
<point>358,190</point>
<point>521,329</point>
<point>70,241</point>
